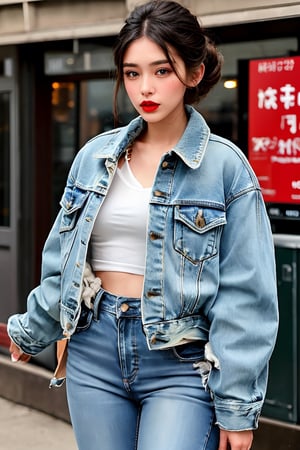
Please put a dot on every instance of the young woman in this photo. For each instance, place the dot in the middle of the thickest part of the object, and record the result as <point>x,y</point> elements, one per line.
<point>171,352</point>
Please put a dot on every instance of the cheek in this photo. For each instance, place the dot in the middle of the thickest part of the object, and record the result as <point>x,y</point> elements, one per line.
<point>130,89</point>
<point>176,87</point>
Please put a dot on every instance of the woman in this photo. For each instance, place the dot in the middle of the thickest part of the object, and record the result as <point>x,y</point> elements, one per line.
<point>171,352</point>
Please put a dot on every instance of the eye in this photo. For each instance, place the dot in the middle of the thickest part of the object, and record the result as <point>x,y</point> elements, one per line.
<point>163,71</point>
<point>130,74</point>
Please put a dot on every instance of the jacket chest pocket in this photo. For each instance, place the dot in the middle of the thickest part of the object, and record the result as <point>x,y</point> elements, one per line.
<point>197,231</point>
<point>72,204</point>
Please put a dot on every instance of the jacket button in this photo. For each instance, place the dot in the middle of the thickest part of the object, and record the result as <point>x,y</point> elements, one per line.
<point>165,164</point>
<point>153,339</point>
<point>124,307</point>
<point>153,236</point>
<point>200,221</point>
<point>68,326</point>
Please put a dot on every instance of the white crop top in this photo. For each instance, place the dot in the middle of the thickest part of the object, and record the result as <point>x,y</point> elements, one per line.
<point>118,241</point>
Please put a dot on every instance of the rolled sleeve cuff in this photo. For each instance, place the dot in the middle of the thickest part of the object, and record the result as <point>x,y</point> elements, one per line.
<point>22,339</point>
<point>233,415</point>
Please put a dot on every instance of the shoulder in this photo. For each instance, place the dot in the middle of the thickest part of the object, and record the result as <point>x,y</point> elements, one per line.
<point>229,152</point>
<point>110,143</point>
<point>226,149</point>
<point>229,166</point>
<point>96,145</point>
<point>90,161</point>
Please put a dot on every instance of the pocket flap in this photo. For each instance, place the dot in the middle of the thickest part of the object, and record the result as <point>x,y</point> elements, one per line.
<point>200,219</point>
<point>73,199</point>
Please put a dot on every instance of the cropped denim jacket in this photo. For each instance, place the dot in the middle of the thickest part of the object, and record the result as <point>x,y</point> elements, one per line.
<point>209,262</point>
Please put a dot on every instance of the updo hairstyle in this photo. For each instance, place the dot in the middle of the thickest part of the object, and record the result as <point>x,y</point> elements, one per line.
<point>167,23</point>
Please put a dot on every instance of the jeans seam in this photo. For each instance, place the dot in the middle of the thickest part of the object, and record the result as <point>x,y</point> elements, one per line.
<point>209,431</point>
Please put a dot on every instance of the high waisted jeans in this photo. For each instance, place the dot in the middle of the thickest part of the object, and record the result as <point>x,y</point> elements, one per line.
<point>122,396</point>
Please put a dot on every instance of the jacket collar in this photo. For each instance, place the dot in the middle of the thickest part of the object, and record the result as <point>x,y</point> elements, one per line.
<point>190,148</point>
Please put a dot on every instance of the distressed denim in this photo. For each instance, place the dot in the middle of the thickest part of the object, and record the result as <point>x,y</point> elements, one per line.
<point>124,396</point>
<point>210,272</point>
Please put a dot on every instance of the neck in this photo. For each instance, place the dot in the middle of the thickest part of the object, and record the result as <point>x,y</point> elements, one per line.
<point>164,135</point>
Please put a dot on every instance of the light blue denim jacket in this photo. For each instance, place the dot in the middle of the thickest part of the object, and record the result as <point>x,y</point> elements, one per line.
<point>209,262</point>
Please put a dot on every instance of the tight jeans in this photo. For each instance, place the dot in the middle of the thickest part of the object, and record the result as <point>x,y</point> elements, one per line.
<point>122,396</point>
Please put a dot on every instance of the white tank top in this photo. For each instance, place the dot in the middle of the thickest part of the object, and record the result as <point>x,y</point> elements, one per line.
<point>118,241</point>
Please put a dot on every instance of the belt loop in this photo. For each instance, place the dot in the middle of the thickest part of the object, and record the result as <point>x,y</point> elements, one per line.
<point>97,304</point>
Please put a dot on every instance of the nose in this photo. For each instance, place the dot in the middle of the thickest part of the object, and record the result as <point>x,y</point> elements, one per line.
<point>146,86</point>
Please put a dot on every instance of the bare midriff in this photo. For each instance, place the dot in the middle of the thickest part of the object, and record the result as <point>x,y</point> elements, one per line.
<point>122,284</point>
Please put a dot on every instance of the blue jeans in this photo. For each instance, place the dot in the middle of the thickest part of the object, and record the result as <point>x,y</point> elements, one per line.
<point>122,396</point>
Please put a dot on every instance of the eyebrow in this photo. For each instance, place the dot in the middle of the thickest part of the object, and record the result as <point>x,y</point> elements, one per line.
<point>154,63</point>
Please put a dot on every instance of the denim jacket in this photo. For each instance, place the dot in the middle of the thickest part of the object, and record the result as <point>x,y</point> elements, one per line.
<point>209,262</point>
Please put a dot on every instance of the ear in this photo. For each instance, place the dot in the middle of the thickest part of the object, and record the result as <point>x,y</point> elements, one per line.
<point>197,75</point>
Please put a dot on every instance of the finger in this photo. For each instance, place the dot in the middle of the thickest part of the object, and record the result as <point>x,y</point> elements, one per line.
<point>17,354</point>
<point>19,357</point>
<point>24,358</point>
<point>223,441</point>
<point>13,348</point>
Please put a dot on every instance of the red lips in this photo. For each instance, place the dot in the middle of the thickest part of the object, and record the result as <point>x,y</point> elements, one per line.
<point>149,106</point>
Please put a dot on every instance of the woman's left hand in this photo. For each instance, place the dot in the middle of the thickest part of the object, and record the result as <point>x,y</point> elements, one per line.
<point>17,354</point>
<point>235,440</point>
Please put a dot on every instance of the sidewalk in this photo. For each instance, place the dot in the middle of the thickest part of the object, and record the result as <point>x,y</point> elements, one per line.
<point>22,427</point>
<point>32,416</point>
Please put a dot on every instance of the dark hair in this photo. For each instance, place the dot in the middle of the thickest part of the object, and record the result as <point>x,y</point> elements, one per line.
<point>167,23</point>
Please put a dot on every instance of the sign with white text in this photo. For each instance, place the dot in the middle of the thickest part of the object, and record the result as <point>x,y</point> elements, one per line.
<point>274,127</point>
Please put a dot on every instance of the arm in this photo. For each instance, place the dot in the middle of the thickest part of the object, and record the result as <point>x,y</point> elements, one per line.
<point>40,325</point>
<point>244,316</point>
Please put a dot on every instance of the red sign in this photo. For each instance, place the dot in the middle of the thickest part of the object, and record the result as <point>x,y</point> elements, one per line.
<point>274,127</point>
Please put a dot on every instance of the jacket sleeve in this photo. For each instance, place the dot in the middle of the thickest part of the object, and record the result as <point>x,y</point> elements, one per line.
<point>40,325</point>
<point>244,316</point>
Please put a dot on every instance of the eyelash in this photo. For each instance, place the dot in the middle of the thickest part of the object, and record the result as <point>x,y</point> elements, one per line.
<point>165,71</point>
<point>132,74</point>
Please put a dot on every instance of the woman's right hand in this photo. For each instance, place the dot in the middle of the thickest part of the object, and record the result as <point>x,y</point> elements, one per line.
<point>17,354</point>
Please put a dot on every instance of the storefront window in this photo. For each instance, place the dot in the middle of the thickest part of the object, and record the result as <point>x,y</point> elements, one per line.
<point>96,116</point>
<point>4,160</point>
<point>222,106</point>
<point>80,111</point>
<point>64,112</point>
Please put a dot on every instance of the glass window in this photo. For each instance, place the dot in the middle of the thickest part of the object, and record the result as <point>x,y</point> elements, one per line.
<point>221,107</point>
<point>64,111</point>
<point>80,111</point>
<point>96,105</point>
<point>4,160</point>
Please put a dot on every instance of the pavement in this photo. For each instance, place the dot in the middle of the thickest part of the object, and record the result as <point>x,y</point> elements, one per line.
<point>23,428</point>
<point>32,416</point>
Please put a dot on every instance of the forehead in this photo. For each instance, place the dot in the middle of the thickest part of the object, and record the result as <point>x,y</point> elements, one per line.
<point>143,50</point>
<point>142,47</point>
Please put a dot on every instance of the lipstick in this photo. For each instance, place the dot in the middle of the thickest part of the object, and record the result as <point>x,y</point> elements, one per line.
<point>149,106</point>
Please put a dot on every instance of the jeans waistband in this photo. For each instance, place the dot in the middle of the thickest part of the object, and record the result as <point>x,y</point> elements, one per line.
<point>117,305</point>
